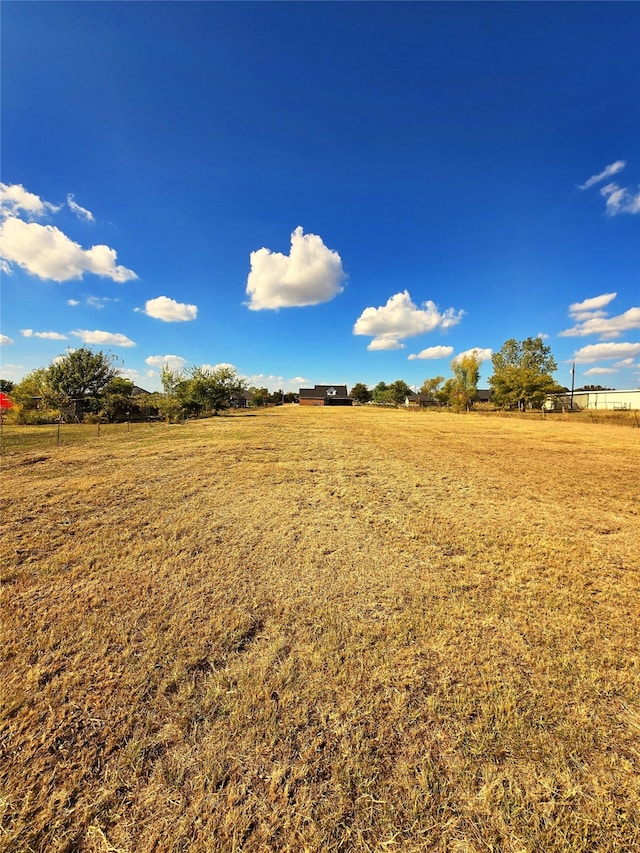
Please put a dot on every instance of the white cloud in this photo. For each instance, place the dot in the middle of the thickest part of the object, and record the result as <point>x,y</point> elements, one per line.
<point>73,302</point>
<point>99,301</point>
<point>80,212</point>
<point>173,362</point>
<point>309,275</point>
<point>401,318</point>
<point>597,352</point>
<point>274,382</point>
<point>219,366</point>
<point>591,319</point>
<point>43,250</point>
<point>380,344</point>
<point>620,199</point>
<point>170,311</point>
<point>14,199</point>
<point>611,327</point>
<point>5,340</point>
<point>49,336</point>
<point>626,362</point>
<point>5,268</point>
<point>431,352</point>
<point>599,371</point>
<point>114,339</point>
<point>480,353</point>
<point>136,377</point>
<point>613,169</point>
<point>593,304</point>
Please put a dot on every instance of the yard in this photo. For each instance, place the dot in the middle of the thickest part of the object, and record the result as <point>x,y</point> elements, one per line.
<point>318,629</point>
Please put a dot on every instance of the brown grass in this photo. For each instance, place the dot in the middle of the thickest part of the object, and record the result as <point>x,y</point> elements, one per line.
<point>323,630</point>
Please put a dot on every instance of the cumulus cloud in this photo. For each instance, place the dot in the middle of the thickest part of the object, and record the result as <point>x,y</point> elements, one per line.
<point>173,362</point>
<point>309,275</point>
<point>274,382</point>
<point>610,327</point>
<point>219,366</point>
<point>138,378</point>
<point>480,353</point>
<point>80,212</point>
<point>607,172</point>
<point>44,251</point>
<point>49,336</point>
<point>381,344</point>
<point>595,303</point>
<point>599,371</point>
<point>73,302</point>
<point>603,352</point>
<point>15,200</point>
<point>591,319</point>
<point>401,318</point>
<point>5,340</point>
<point>96,336</point>
<point>170,311</point>
<point>431,352</point>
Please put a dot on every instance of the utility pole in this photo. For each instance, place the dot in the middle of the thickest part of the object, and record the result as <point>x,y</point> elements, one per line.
<point>573,377</point>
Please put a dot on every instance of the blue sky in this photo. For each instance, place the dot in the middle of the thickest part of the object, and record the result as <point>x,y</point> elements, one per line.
<point>321,192</point>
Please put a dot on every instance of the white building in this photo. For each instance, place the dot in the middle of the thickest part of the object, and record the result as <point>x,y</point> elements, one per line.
<point>601,400</point>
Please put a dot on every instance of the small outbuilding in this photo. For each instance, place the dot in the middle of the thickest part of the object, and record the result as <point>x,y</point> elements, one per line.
<point>325,395</point>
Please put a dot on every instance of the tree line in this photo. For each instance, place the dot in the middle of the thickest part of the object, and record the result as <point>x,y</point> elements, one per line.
<point>522,376</point>
<point>85,385</point>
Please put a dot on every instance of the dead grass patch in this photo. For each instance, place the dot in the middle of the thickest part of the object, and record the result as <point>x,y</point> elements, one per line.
<point>324,630</point>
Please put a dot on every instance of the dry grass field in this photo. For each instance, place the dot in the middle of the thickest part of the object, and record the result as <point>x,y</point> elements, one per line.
<point>323,630</point>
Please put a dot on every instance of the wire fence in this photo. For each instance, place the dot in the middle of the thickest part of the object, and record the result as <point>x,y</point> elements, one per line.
<point>18,437</point>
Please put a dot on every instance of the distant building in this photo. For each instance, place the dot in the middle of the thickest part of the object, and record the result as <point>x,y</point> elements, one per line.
<point>325,395</point>
<point>601,400</point>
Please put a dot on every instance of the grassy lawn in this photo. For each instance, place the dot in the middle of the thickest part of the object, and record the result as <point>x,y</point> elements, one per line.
<point>323,630</point>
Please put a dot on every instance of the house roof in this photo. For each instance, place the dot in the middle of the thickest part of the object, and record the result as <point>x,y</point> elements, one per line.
<point>333,391</point>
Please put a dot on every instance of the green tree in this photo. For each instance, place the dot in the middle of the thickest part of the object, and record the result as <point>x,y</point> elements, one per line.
<point>522,373</point>
<point>170,379</point>
<point>382,394</point>
<point>361,393</point>
<point>260,396</point>
<point>199,390</point>
<point>445,393</point>
<point>34,399</point>
<point>81,375</point>
<point>6,386</point>
<point>169,405</point>
<point>466,372</point>
<point>276,398</point>
<point>117,402</point>
<point>430,386</point>
<point>400,391</point>
<point>33,391</point>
